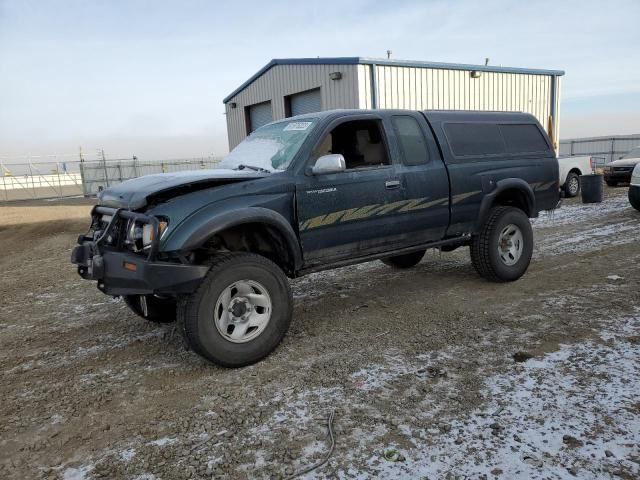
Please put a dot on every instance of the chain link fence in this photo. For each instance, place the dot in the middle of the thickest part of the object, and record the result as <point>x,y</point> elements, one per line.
<point>44,179</point>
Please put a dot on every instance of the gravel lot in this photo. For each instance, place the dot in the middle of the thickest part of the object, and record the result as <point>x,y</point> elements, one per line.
<point>418,366</point>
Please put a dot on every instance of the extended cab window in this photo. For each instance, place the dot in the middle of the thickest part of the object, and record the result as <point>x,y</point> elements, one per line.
<point>360,142</point>
<point>411,140</point>
<point>524,138</point>
<point>474,139</point>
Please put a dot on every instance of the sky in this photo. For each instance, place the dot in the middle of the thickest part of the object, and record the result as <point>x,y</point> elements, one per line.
<point>148,77</point>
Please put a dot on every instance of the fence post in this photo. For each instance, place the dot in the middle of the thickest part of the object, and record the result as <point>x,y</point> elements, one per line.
<point>59,179</point>
<point>33,182</point>
<point>135,167</point>
<point>4,182</point>
<point>612,149</point>
<point>104,166</point>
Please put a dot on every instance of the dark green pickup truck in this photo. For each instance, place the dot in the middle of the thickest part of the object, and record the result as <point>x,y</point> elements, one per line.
<point>213,249</point>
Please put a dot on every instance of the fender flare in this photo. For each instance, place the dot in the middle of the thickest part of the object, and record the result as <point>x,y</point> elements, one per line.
<point>232,218</point>
<point>501,186</point>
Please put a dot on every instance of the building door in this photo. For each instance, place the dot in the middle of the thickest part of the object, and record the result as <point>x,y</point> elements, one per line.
<point>305,102</point>
<point>258,115</point>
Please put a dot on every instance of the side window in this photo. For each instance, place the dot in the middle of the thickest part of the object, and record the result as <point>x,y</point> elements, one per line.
<point>525,138</point>
<point>360,142</point>
<point>411,139</point>
<point>474,138</point>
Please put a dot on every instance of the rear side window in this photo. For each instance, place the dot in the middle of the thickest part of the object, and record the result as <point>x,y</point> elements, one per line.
<point>411,139</point>
<point>474,139</point>
<point>524,138</point>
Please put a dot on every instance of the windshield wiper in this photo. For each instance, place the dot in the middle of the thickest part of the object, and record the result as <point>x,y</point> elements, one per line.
<point>252,167</point>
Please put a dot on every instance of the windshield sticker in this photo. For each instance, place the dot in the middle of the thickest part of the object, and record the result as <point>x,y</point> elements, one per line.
<point>297,126</point>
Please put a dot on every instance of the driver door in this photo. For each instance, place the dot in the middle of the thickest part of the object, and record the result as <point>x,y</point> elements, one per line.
<point>349,213</point>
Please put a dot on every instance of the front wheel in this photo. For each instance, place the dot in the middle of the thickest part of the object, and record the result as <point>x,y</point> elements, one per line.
<point>502,251</point>
<point>240,312</point>
<point>572,185</point>
<point>152,308</point>
<point>407,260</point>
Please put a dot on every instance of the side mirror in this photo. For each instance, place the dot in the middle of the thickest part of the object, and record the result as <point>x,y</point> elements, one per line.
<point>332,163</point>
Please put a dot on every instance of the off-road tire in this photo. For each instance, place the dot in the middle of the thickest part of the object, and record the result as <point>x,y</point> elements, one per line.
<point>407,260</point>
<point>568,192</point>
<point>159,310</point>
<point>484,246</point>
<point>611,183</point>
<point>195,311</point>
<point>634,197</point>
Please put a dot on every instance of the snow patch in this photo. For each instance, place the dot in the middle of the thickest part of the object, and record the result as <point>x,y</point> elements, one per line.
<point>545,418</point>
<point>128,454</point>
<point>163,442</point>
<point>79,473</point>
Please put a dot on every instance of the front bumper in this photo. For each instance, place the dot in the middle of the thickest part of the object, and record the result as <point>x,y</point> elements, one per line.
<point>620,176</point>
<point>124,273</point>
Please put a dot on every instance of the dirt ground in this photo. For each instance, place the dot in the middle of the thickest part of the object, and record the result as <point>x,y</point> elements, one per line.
<point>417,365</point>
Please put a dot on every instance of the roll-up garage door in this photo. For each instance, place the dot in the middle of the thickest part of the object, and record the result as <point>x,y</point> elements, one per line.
<point>306,102</point>
<point>259,115</point>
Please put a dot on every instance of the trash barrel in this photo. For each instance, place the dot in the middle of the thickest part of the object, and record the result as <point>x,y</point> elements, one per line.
<point>592,188</point>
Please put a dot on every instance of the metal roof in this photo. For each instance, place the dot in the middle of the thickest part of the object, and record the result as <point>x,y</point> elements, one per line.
<point>386,62</point>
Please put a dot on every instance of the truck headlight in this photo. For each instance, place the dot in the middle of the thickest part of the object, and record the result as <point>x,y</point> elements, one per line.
<point>141,235</point>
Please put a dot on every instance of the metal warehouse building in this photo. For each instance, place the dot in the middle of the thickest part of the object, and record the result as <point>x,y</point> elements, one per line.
<point>288,87</point>
<point>608,148</point>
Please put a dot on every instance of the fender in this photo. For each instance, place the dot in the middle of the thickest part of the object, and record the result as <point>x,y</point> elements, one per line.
<point>231,218</point>
<point>501,186</point>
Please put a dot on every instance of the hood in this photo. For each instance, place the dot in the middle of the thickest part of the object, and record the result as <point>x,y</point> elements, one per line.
<point>624,162</point>
<point>139,192</point>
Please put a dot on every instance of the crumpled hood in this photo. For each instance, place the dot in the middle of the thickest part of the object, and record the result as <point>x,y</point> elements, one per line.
<point>136,193</point>
<point>624,162</point>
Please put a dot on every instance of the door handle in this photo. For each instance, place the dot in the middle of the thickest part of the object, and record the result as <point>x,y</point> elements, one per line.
<point>391,184</point>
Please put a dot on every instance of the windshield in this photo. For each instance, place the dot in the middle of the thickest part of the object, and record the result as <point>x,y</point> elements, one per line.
<point>271,147</point>
<point>634,153</point>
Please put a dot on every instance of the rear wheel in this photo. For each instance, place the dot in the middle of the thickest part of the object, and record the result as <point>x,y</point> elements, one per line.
<point>634,197</point>
<point>501,252</point>
<point>572,185</point>
<point>240,312</point>
<point>611,183</point>
<point>407,260</point>
<point>152,308</point>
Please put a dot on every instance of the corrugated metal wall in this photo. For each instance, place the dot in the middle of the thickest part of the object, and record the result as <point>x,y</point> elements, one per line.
<point>610,148</point>
<point>430,88</point>
<point>282,80</point>
<point>414,88</point>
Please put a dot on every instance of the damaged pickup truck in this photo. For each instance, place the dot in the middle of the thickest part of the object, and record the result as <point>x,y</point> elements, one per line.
<point>213,249</point>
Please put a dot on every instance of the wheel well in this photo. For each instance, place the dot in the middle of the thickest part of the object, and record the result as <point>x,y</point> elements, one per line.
<point>576,171</point>
<point>514,197</point>
<point>259,238</point>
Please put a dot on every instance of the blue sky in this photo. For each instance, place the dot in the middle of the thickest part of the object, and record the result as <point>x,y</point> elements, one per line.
<point>148,77</point>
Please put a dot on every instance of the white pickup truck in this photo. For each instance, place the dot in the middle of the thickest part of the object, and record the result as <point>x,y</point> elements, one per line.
<point>570,170</point>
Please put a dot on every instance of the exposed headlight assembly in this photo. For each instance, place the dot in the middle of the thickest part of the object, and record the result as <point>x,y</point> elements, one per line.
<point>141,235</point>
